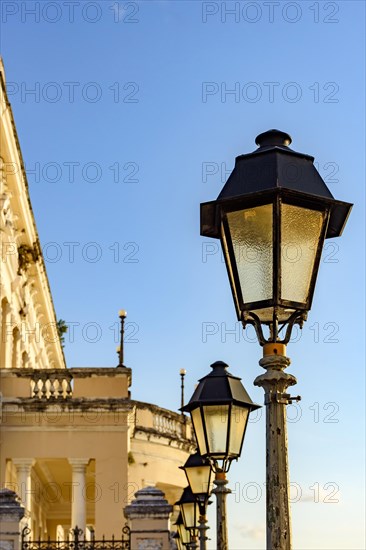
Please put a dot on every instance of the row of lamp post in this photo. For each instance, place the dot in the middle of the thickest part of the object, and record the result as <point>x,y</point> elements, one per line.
<point>272,217</point>
<point>199,476</point>
<point>219,410</point>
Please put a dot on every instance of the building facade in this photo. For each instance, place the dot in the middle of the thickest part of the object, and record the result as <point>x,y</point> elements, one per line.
<point>75,446</point>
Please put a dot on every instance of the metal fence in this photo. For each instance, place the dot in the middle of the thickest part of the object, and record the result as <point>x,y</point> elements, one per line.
<point>77,542</point>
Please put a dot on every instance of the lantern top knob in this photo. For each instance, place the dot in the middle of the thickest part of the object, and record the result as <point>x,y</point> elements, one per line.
<point>273,138</point>
<point>219,365</point>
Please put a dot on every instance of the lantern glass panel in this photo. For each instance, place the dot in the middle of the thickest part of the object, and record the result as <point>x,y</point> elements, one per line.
<point>198,428</point>
<point>229,268</point>
<point>300,235</point>
<point>239,418</point>
<point>251,232</point>
<point>199,479</point>
<point>216,420</point>
<point>190,514</point>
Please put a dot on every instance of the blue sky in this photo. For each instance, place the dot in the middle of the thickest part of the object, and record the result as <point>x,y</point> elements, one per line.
<point>137,113</point>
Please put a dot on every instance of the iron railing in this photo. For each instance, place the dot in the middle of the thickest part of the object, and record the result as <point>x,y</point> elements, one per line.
<point>77,543</point>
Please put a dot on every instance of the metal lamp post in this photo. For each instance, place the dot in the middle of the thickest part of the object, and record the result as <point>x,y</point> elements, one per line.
<point>199,475</point>
<point>122,314</point>
<point>190,512</point>
<point>219,409</point>
<point>272,217</point>
<point>182,373</point>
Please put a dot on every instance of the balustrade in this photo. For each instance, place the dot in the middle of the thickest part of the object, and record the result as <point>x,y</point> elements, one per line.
<point>166,424</point>
<point>50,384</point>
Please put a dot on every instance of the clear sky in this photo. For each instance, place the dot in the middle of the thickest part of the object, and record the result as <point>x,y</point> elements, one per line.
<point>137,112</point>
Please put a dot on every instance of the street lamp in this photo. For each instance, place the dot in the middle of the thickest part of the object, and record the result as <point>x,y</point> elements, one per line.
<point>199,475</point>
<point>219,409</point>
<point>189,509</point>
<point>182,373</point>
<point>184,534</point>
<point>272,217</point>
<point>122,314</point>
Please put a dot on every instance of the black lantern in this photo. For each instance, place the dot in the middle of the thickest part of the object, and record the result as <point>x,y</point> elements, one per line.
<point>199,475</point>
<point>189,510</point>
<point>184,534</point>
<point>219,409</point>
<point>272,217</point>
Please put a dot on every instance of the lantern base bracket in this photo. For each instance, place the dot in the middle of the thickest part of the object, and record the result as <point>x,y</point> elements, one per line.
<point>296,318</point>
<point>221,465</point>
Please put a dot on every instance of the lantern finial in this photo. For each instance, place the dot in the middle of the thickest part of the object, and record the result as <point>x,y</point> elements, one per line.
<point>218,367</point>
<point>273,138</point>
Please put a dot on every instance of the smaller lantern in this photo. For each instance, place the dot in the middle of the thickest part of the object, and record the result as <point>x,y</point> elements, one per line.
<point>199,475</point>
<point>184,534</point>
<point>219,410</point>
<point>189,510</point>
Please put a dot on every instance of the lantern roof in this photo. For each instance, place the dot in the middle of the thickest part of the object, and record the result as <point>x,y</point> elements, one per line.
<point>187,497</point>
<point>195,460</point>
<point>221,388</point>
<point>179,519</point>
<point>274,167</point>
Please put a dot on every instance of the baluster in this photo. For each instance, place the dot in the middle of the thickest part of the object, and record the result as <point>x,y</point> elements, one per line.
<point>39,387</point>
<point>52,386</point>
<point>57,386</point>
<point>35,387</point>
<point>68,387</point>
<point>43,379</point>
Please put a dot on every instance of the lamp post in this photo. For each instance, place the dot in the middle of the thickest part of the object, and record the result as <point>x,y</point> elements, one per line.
<point>219,409</point>
<point>182,373</point>
<point>272,217</point>
<point>122,314</point>
<point>199,475</point>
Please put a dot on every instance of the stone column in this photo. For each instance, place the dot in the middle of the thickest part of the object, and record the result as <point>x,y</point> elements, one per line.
<point>11,514</point>
<point>149,518</point>
<point>24,475</point>
<point>78,498</point>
